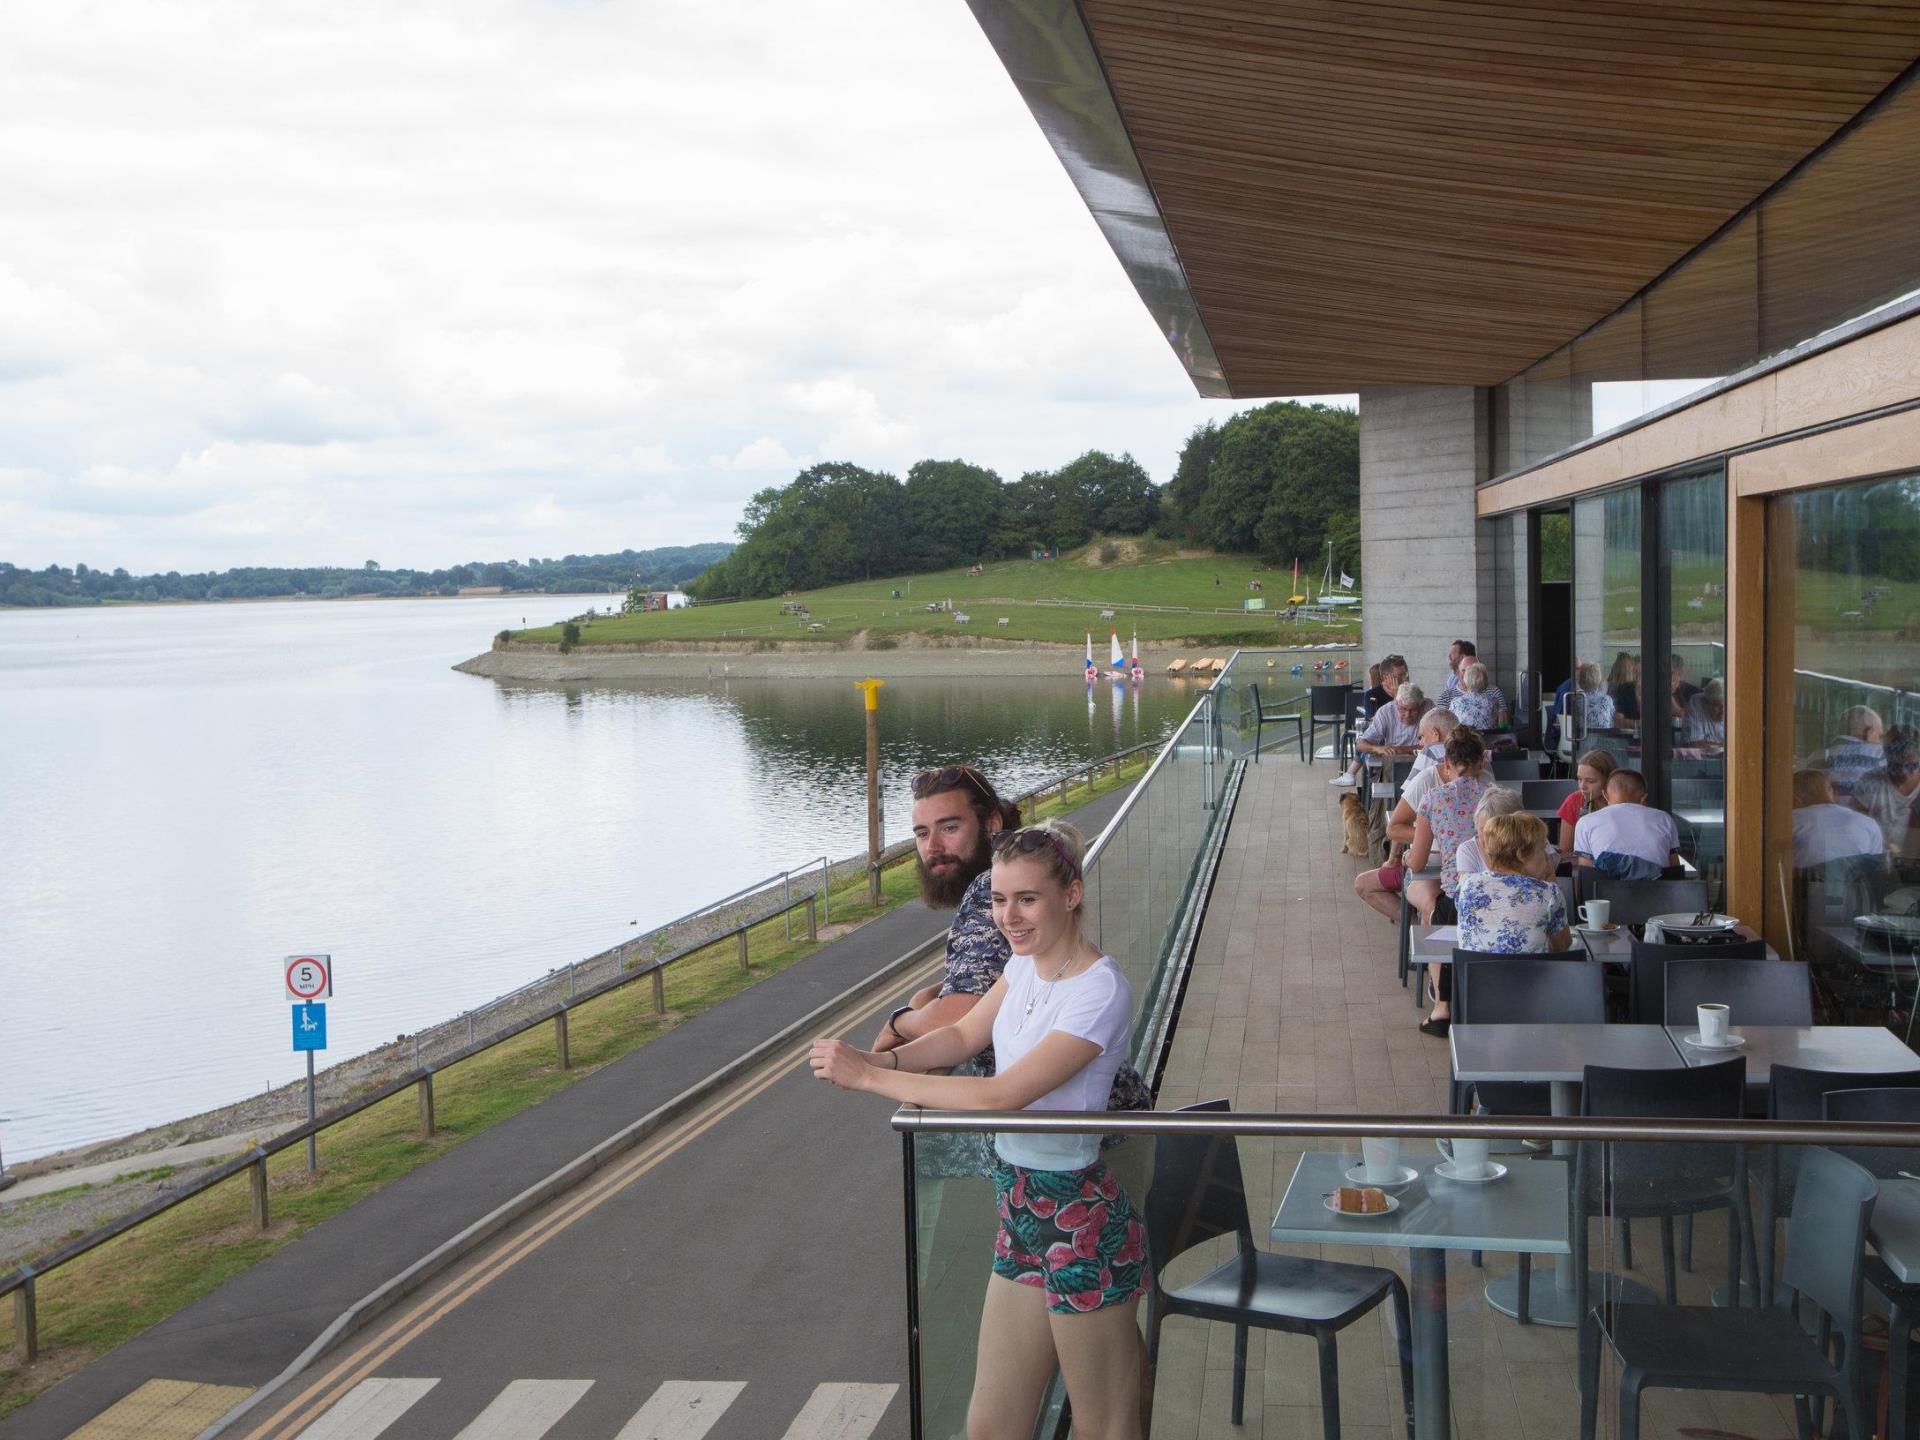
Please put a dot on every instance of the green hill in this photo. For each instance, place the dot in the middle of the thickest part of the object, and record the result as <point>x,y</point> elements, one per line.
<point>1167,595</point>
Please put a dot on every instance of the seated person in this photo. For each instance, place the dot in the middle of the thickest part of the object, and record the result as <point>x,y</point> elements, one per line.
<point>1825,831</point>
<point>1859,749</point>
<point>1591,773</point>
<point>1479,702</point>
<point>1443,819</point>
<point>1623,687</point>
<point>1380,889</point>
<point>1471,857</point>
<point>1393,674</point>
<point>1395,729</point>
<point>1458,654</point>
<point>1890,795</point>
<point>1512,907</point>
<point>1681,689</point>
<point>1705,724</point>
<point>1588,702</point>
<point>1627,838</point>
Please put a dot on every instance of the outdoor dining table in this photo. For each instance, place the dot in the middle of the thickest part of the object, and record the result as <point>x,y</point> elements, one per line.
<point>1556,1055</point>
<point>1525,1212</point>
<point>1863,1048</point>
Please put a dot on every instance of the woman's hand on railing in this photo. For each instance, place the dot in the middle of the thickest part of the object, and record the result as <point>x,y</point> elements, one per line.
<point>839,1064</point>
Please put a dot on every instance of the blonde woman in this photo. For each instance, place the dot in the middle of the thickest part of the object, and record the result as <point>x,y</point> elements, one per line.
<point>1070,1260</point>
<point>1592,774</point>
<point>1508,909</point>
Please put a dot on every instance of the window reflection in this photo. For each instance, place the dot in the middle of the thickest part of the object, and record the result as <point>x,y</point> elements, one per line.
<point>1606,631</point>
<point>1694,521</point>
<point>1844,614</point>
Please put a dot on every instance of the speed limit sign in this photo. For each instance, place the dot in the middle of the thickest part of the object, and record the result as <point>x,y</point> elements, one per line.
<point>309,978</point>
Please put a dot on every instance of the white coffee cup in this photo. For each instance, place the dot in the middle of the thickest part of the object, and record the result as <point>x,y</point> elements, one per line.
<point>1714,1020</point>
<point>1380,1160</point>
<point>1594,913</point>
<point>1468,1158</point>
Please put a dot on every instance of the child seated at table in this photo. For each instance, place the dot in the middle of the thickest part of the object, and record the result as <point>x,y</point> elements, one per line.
<point>1513,907</point>
<point>1628,839</point>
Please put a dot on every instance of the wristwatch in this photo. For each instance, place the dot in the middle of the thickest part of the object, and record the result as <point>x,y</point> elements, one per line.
<point>895,1016</point>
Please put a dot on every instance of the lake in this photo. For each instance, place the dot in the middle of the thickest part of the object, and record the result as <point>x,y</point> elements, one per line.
<point>190,793</point>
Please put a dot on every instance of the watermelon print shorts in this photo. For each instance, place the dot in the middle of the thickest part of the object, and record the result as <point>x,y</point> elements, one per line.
<point>1072,1233</point>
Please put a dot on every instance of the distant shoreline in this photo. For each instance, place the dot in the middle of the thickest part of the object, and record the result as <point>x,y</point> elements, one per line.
<point>300,600</point>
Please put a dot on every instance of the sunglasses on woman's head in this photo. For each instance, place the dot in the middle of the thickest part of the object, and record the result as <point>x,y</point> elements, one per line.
<point>1030,839</point>
<point>929,782</point>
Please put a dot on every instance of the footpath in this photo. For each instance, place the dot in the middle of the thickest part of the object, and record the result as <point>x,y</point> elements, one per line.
<point>252,1328</point>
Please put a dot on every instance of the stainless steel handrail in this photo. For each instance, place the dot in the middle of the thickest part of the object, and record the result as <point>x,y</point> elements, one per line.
<point>1341,1127</point>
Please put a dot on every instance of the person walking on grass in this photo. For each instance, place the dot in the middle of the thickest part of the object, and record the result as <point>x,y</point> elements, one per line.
<point>1070,1258</point>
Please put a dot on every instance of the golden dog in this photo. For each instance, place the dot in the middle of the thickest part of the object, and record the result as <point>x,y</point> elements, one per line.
<point>1353,822</point>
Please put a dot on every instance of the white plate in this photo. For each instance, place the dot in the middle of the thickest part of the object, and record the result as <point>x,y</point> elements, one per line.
<point>1734,1042</point>
<point>1357,1176</point>
<point>1494,1171</point>
<point>1332,1205</point>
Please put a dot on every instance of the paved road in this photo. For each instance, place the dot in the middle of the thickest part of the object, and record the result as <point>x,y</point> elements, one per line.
<point>753,1251</point>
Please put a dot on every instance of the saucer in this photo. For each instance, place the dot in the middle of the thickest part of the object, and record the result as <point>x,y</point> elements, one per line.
<point>1358,1176</point>
<point>1733,1042</point>
<point>1332,1206</point>
<point>1494,1171</point>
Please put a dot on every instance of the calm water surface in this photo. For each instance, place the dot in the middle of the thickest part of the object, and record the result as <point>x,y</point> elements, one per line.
<point>187,794</point>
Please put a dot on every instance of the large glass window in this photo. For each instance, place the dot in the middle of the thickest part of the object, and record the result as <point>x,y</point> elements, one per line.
<point>1832,244</point>
<point>1603,690</point>
<point>1843,775</point>
<point>1693,521</point>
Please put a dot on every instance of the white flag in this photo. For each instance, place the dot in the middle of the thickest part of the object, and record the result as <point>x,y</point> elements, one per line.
<point>1346,581</point>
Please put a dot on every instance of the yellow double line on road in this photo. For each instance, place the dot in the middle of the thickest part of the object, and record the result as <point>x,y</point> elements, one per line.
<point>327,1388</point>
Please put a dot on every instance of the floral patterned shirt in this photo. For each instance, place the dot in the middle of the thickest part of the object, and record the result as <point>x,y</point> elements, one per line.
<point>1449,811</point>
<point>1506,914</point>
<point>1481,711</point>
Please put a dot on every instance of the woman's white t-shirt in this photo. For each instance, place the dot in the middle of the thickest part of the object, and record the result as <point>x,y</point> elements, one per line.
<point>1096,1005</point>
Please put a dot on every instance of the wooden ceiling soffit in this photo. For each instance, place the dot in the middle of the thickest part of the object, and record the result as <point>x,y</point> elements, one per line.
<point>1046,50</point>
<point>1314,195</point>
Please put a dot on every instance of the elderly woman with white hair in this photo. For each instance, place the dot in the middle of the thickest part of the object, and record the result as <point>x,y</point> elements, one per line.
<point>1479,702</point>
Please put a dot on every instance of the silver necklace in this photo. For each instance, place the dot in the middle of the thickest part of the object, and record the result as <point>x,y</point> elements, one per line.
<point>1050,981</point>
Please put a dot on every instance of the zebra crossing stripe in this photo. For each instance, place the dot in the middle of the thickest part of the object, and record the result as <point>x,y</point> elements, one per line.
<point>682,1410</point>
<point>368,1409</point>
<point>526,1410</point>
<point>841,1412</point>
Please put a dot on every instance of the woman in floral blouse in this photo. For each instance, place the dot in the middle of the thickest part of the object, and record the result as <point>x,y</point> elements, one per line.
<point>1479,702</point>
<point>1443,820</point>
<point>1513,907</point>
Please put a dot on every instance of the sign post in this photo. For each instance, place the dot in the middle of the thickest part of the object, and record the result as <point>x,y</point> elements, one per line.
<point>872,691</point>
<point>309,981</point>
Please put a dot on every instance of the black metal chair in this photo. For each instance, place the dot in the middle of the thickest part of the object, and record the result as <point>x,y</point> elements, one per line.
<point>1635,902</point>
<point>1492,989</point>
<point>1647,978</point>
<point>1900,1105</point>
<point>1761,1350</point>
<point>1546,794</point>
<point>1197,1194</point>
<point>1650,1180</point>
<point>1522,768</point>
<point>1263,717</point>
<point>1327,705</point>
<point>1757,992</point>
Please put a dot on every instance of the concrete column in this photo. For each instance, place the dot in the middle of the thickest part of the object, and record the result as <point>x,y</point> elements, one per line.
<point>1423,449</point>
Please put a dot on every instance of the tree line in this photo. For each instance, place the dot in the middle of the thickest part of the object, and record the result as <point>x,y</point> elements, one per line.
<point>669,567</point>
<point>1279,480</point>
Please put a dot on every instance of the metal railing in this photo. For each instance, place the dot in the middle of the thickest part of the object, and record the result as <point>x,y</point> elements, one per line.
<point>22,1283</point>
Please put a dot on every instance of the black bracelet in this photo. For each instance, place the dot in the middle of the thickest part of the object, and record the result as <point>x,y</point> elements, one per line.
<point>895,1016</point>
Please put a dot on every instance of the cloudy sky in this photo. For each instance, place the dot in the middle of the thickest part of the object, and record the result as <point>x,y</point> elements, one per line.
<point>306,283</point>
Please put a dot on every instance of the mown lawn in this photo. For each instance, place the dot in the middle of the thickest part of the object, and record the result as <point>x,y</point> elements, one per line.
<point>1152,574</point>
<point>116,1291</point>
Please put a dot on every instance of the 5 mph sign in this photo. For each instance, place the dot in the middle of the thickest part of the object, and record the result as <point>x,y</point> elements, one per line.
<point>309,978</point>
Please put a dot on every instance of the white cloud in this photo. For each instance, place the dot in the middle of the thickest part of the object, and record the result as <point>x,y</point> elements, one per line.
<point>294,282</point>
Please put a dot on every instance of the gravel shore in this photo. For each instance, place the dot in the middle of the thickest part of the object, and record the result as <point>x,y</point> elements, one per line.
<point>801,661</point>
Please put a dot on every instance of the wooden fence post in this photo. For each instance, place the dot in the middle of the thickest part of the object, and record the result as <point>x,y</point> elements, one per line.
<point>425,1089</point>
<point>257,1184</point>
<point>26,1324</point>
<point>560,1041</point>
<point>813,929</point>
<point>659,990</point>
<point>743,948</point>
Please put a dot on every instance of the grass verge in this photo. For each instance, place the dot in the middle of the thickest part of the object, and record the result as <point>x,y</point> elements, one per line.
<point>114,1292</point>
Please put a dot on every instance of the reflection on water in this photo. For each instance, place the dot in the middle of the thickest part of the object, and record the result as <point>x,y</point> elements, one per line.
<point>191,793</point>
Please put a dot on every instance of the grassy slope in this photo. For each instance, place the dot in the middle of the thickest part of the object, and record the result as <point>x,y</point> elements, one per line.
<point>1158,576</point>
<point>119,1289</point>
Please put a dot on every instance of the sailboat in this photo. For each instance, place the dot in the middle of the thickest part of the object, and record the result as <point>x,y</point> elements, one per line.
<point>1296,598</point>
<point>1119,662</point>
<point>1092,670</point>
<point>1137,672</point>
<point>1345,595</point>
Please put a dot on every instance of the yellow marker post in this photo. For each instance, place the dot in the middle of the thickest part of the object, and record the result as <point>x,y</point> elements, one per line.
<point>871,688</point>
